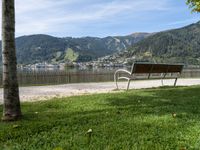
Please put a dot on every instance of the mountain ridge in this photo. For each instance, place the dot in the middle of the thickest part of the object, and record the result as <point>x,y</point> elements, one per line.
<point>180,45</point>
<point>176,46</point>
<point>46,48</point>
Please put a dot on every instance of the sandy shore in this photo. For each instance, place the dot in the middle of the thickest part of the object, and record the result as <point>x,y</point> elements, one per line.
<point>35,93</point>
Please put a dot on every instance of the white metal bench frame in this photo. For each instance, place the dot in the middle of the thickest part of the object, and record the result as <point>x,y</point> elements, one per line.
<point>132,73</point>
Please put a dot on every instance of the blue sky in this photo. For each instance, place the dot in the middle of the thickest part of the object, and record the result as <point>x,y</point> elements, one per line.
<point>100,18</point>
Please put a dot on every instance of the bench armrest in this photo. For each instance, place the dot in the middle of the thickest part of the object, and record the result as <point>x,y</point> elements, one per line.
<point>122,71</point>
<point>116,77</point>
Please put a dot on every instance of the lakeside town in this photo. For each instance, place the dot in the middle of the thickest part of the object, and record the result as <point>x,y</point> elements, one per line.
<point>82,65</point>
<point>108,61</point>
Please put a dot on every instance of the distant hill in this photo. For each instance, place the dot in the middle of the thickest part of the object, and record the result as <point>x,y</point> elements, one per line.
<point>178,45</point>
<point>40,48</point>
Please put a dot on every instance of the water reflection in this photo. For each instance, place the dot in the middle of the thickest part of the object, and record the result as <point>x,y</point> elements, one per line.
<point>63,76</point>
<point>28,76</point>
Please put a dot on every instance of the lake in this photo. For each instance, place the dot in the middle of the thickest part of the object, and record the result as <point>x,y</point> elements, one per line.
<point>29,77</point>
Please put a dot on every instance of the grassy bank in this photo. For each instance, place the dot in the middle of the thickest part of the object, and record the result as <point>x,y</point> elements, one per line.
<point>163,118</point>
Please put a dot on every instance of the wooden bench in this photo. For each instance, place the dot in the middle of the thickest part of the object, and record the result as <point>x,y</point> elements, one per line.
<point>160,70</point>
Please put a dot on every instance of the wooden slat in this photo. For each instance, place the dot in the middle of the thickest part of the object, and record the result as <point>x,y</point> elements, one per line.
<point>156,68</point>
<point>142,68</point>
<point>159,68</point>
<point>175,68</point>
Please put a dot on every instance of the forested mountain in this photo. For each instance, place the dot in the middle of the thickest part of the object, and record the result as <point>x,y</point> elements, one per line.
<point>178,45</point>
<point>40,48</point>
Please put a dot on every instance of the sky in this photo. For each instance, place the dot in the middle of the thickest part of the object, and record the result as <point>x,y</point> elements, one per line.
<point>100,18</point>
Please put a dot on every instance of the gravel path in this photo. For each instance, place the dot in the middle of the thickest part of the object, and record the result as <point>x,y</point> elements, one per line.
<point>35,93</point>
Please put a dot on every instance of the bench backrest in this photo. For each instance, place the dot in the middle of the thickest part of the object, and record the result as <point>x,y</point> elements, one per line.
<point>156,68</point>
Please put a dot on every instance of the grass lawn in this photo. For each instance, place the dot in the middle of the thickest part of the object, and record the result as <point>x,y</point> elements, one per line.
<point>161,118</point>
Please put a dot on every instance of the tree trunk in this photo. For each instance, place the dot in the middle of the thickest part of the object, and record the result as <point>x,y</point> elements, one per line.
<point>11,106</point>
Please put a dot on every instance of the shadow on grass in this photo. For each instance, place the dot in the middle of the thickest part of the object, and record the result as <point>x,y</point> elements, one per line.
<point>137,119</point>
<point>162,100</point>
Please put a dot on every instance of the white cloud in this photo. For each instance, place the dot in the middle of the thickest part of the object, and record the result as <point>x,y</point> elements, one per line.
<point>43,16</point>
<point>24,6</point>
<point>58,16</point>
<point>180,22</point>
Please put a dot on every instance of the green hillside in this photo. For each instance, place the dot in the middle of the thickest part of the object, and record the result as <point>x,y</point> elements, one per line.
<point>70,55</point>
<point>39,48</point>
<point>178,45</point>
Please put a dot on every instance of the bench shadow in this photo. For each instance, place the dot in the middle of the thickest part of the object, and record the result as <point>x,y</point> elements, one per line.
<point>157,102</point>
<point>162,100</point>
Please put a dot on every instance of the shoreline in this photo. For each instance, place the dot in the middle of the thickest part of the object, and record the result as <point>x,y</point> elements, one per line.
<point>40,93</point>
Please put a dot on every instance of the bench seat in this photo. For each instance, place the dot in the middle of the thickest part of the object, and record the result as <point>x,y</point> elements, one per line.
<point>147,71</point>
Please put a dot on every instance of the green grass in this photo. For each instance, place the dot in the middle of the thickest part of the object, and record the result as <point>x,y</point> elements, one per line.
<point>138,119</point>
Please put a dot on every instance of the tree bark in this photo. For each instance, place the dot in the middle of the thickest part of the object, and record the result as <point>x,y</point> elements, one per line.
<point>11,106</point>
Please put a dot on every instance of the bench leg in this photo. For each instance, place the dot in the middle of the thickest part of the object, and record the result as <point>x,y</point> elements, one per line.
<point>175,81</point>
<point>115,80</point>
<point>162,82</point>
<point>128,84</point>
<point>163,78</point>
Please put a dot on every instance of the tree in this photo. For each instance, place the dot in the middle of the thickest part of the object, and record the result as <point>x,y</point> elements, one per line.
<point>194,5</point>
<point>11,102</point>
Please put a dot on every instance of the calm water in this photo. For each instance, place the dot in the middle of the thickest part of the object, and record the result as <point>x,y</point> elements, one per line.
<point>56,76</point>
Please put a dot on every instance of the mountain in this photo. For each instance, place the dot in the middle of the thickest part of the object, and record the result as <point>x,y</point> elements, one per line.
<point>40,48</point>
<point>174,46</point>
